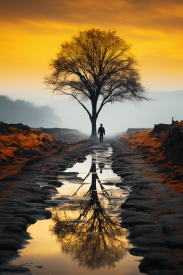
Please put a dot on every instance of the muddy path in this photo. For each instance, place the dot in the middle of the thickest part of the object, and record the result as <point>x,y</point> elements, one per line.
<point>151,212</point>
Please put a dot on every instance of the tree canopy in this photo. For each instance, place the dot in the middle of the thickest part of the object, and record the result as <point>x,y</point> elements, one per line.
<point>98,66</point>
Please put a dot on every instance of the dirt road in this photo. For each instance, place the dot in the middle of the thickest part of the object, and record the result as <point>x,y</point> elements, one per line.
<point>152,212</point>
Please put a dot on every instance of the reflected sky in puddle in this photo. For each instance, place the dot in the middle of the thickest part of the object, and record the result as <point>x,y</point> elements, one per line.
<point>84,234</point>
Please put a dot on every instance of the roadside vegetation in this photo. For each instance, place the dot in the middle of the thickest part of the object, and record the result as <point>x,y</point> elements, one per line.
<point>157,148</point>
<point>18,146</point>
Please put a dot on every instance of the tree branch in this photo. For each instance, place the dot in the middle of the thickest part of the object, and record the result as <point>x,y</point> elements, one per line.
<point>102,104</point>
<point>76,88</point>
<point>79,103</point>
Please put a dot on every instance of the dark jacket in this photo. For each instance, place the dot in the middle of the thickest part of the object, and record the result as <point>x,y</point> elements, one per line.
<point>101,130</point>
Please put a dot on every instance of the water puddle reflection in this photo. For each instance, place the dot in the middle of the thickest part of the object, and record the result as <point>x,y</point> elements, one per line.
<point>84,233</point>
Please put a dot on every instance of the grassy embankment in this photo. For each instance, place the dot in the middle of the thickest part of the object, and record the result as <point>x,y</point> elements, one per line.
<point>19,146</point>
<point>157,149</point>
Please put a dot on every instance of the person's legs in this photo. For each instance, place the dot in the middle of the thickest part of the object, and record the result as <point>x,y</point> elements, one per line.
<point>100,138</point>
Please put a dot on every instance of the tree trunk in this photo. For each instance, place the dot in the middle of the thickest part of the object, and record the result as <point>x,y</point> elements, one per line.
<point>94,120</point>
<point>94,131</point>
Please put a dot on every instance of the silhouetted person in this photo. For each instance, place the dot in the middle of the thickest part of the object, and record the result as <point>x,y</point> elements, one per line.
<point>101,166</point>
<point>101,131</point>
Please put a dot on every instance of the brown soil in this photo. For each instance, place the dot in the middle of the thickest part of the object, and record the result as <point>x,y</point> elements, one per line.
<point>157,149</point>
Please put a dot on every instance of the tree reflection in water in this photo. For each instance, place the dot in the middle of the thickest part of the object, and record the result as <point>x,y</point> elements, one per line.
<point>94,239</point>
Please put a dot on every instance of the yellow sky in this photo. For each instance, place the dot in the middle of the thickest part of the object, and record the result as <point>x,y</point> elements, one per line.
<point>31,32</point>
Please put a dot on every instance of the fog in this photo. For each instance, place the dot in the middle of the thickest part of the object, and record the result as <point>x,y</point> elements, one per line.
<point>21,111</point>
<point>116,118</point>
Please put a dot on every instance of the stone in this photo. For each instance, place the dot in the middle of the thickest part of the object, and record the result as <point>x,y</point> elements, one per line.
<point>9,245</point>
<point>6,255</point>
<point>144,231</point>
<point>35,199</point>
<point>62,166</point>
<point>12,229</point>
<point>15,237</point>
<point>29,218</point>
<point>81,160</point>
<point>175,242</point>
<point>136,205</point>
<point>169,263</point>
<point>121,174</point>
<point>14,269</point>
<point>47,187</point>
<point>27,211</point>
<point>47,214</point>
<point>152,261</point>
<point>136,198</point>
<point>55,183</point>
<point>131,221</point>
<point>138,251</point>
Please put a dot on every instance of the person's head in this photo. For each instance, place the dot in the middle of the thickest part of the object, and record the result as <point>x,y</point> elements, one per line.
<point>101,124</point>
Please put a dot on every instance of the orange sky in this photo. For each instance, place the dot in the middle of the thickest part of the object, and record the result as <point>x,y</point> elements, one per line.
<point>31,32</point>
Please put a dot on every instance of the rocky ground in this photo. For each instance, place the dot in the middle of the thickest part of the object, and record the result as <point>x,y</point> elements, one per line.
<point>23,201</point>
<point>152,212</point>
<point>163,147</point>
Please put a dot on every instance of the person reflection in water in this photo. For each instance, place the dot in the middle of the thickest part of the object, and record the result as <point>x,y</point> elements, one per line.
<point>97,240</point>
<point>101,166</point>
<point>101,131</point>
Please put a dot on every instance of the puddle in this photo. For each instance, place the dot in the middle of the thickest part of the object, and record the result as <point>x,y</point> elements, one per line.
<point>84,234</point>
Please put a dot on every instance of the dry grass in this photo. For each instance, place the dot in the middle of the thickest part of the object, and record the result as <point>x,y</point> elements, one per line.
<point>15,144</point>
<point>16,140</point>
<point>156,149</point>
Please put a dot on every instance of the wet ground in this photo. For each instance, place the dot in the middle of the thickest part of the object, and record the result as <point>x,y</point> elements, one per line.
<point>91,208</point>
<point>83,233</point>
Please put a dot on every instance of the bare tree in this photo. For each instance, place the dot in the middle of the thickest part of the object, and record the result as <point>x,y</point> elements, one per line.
<point>99,240</point>
<point>97,66</point>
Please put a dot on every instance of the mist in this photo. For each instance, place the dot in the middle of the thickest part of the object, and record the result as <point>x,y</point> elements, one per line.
<point>21,111</point>
<point>116,118</point>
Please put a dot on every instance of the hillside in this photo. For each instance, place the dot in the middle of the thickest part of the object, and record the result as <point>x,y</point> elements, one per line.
<point>162,146</point>
<point>19,144</point>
